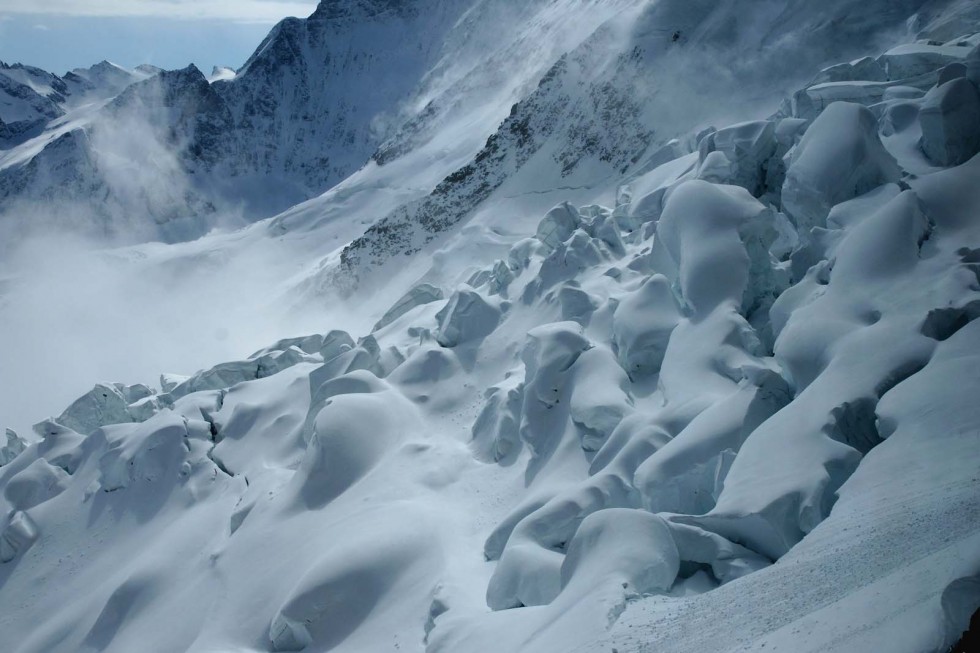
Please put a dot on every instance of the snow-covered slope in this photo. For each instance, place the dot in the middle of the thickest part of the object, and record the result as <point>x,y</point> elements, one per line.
<point>639,80</point>
<point>634,383</point>
<point>32,98</point>
<point>303,113</point>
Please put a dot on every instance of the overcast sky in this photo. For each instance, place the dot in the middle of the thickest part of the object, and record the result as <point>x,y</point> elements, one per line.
<point>59,35</point>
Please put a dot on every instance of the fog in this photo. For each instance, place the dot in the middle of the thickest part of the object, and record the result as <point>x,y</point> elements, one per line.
<point>72,315</point>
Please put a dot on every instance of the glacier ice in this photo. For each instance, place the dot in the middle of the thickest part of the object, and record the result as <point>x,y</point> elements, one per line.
<point>839,157</point>
<point>949,116</point>
<point>634,383</point>
<point>467,316</point>
<point>12,448</point>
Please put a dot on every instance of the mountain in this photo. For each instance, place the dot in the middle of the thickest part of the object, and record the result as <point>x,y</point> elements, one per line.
<point>33,98</point>
<point>643,326</point>
<point>299,116</point>
<point>317,98</point>
<point>618,95</point>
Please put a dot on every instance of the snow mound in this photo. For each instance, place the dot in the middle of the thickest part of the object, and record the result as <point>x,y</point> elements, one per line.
<point>695,388</point>
<point>839,157</point>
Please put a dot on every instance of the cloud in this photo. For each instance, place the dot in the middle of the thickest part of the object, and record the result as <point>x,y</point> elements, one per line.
<point>43,28</point>
<point>259,11</point>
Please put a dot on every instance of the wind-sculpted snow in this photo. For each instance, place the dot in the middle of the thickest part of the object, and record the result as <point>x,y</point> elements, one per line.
<point>840,157</point>
<point>736,411</point>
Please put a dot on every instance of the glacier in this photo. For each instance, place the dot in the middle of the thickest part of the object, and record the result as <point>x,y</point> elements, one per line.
<point>632,326</point>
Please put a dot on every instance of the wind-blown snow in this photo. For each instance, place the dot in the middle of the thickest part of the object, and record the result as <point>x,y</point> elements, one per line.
<point>597,377</point>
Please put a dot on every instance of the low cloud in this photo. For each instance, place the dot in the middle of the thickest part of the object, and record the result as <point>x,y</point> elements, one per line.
<point>74,310</point>
<point>72,315</point>
<point>258,11</point>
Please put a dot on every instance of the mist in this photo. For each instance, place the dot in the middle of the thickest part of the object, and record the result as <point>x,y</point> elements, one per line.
<point>72,315</point>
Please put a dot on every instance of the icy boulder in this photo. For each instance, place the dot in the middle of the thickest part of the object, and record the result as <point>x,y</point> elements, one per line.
<point>913,59</point>
<point>899,116</point>
<point>335,378</point>
<point>467,317</point>
<point>495,432</point>
<point>972,64</point>
<point>103,404</point>
<point>558,225</point>
<point>950,72</point>
<point>728,561</point>
<point>15,444</point>
<point>549,353</point>
<point>576,304</point>
<point>151,451</point>
<point>747,147</point>
<point>418,296</point>
<point>642,325</point>
<point>810,102</point>
<point>263,363</point>
<point>350,360</point>
<point>600,396</point>
<point>839,157</point>
<point>306,344</point>
<point>277,361</point>
<point>716,168</point>
<point>59,445</point>
<point>170,381</point>
<point>687,473</point>
<point>219,377</point>
<point>358,420</point>
<point>566,261</point>
<point>19,533</point>
<point>501,275</point>
<point>526,575</point>
<point>703,228</point>
<point>623,547</point>
<point>646,193</point>
<point>950,120</point>
<point>34,485</point>
<point>865,68</point>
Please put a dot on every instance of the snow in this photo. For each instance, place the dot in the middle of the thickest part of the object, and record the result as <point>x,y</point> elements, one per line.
<point>642,324</point>
<point>949,117</point>
<point>638,384</point>
<point>839,157</point>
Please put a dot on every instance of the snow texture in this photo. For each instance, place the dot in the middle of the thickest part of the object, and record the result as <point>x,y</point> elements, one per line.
<point>645,373</point>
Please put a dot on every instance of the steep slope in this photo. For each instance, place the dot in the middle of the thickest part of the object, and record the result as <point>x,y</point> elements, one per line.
<point>32,98</point>
<point>313,103</point>
<point>305,111</point>
<point>637,82</point>
<point>735,411</point>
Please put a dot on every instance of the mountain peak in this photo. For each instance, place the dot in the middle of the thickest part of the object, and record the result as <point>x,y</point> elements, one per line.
<point>335,9</point>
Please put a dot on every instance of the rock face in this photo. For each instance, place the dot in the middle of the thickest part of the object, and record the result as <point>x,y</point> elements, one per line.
<point>25,111</point>
<point>30,98</point>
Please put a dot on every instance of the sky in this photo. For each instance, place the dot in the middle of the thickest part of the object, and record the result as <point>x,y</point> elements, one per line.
<point>59,35</point>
